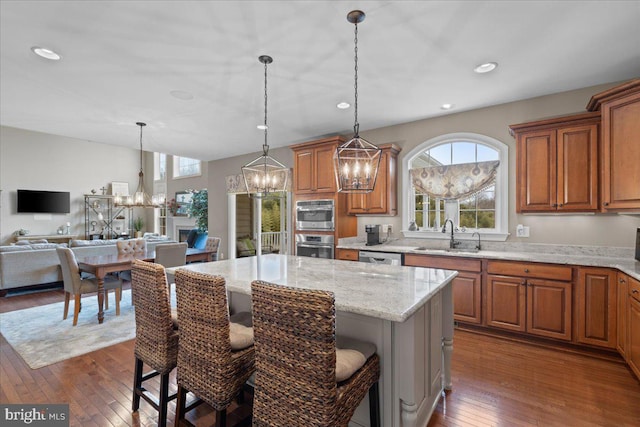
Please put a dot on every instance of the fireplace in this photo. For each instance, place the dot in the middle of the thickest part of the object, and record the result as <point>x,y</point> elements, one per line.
<point>183,233</point>
<point>180,227</point>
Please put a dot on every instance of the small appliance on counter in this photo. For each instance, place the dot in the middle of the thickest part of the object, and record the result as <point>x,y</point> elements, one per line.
<point>373,234</point>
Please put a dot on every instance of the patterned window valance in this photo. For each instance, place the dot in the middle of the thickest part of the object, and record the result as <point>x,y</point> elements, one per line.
<point>454,181</point>
<point>235,184</point>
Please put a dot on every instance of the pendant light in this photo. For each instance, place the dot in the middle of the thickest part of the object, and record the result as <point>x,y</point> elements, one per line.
<point>140,198</point>
<point>356,161</point>
<point>265,174</point>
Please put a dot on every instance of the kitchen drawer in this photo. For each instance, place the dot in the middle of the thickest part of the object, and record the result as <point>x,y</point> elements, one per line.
<point>529,269</point>
<point>447,263</point>
<point>634,288</point>
<point>348,254</point>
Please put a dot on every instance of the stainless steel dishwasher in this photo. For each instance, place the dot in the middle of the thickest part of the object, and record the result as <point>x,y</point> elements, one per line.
<point>388,258</point>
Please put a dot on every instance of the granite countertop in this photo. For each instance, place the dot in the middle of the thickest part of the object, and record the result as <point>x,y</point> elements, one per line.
<point>386,292</point>
<point>619,258</point>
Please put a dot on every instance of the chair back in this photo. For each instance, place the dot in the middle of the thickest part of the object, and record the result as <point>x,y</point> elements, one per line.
<point>191,237</point>
<point>171,254</point>
<point>212,245</point>
<point>70,271</point>
<point>294,332</point>
<point>131,246</point>
<point>206,365</point>
<point>156,339</point>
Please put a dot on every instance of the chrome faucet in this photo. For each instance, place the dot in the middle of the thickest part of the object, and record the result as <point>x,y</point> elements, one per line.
<point>474,233</point>
<point>452,243</point>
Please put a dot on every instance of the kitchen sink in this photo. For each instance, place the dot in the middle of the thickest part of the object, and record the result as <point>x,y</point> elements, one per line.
<point>467,250</point>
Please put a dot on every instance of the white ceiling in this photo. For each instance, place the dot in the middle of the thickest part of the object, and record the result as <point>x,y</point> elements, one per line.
<point>122,59</point>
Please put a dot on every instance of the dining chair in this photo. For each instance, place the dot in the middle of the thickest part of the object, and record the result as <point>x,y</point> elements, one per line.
<point>171,255</point>
<point>212,245</point>
<point>76,284</point>
<point>129,247</point>
<point>156,335</point>
<point>215,354</point>
<point>305,376</point>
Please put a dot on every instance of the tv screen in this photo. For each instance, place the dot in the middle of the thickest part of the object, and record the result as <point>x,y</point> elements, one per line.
<point>33,201</point>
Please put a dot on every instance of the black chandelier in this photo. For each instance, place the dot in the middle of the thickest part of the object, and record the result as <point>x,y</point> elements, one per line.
<point>356,161</point>
<point>265,174</point>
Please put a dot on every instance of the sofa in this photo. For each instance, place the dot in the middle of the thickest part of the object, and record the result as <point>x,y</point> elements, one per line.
<point>37,263</point>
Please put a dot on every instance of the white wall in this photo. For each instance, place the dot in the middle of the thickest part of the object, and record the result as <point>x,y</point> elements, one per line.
<point>38,161</point>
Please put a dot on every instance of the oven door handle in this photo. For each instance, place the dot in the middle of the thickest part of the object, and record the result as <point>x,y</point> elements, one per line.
<point>302,245</point>
<point>315,209</point>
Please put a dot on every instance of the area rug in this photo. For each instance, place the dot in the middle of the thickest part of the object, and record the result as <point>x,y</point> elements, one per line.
<point>41,337</point>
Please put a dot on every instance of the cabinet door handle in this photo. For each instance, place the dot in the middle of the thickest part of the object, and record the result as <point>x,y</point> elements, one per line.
<point>622,281</point>
<point>555,205</point>
<point>560,205</point>
<point>635,291</point>
<point>524,282</point>
<point>606,203</point>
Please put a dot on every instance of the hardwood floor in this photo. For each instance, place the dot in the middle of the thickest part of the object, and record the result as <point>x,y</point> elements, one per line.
<point>496,382</point>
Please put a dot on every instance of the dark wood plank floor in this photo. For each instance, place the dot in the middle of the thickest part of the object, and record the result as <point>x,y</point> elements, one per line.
<point>496,383</point>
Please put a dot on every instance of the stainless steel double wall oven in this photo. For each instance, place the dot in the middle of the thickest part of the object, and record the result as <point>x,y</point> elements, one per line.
<point>313,216</point>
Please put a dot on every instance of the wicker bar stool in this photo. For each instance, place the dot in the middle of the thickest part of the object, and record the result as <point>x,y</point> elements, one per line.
<point>301,378</point>
<point>216,355</point>
<point>156,335</point>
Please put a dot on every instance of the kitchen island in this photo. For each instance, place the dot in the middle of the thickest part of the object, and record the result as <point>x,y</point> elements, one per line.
<point>406,311</point>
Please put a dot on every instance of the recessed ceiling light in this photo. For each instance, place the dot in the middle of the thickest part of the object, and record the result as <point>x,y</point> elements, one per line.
<point>262,127</point>
<point>46,53</point>
<point>446,106</point>
<point>343,105</point>
<point>486,67</point>
<point>181,94</point>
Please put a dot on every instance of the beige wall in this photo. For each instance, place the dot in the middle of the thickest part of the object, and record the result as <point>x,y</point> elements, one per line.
<point>601,229</point>
<point>39,161</point>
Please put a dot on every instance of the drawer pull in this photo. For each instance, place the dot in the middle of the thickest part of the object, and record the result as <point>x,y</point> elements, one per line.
<point>635,291</point>
<point>526,270</point>
<point>623,281</point>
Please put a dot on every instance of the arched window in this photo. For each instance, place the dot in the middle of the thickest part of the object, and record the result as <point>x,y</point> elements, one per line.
<point>462,177</point>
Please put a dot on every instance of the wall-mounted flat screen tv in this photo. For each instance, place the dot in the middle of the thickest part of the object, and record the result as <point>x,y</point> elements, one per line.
<point>33,201</point>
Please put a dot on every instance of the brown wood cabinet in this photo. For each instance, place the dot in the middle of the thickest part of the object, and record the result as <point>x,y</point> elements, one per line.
<point>530,297</point>
<point>467,285</point>
<point>313,171</point>
<point>348,254</point>
<point>622,336</point>
<point>557,164</point>
<point>596,307</point>
<point>633,319</point>
<point>383,200</point>
<point>620,153</point>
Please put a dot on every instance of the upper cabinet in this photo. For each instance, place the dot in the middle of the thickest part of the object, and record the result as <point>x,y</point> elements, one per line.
<point>313,171</point>
<point>557,164</point>
<point>383,200</point>
<point>620,149</point>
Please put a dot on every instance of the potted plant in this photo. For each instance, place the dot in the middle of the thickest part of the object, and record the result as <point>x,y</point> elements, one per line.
<point>138,223</point>
<point>199,210</point>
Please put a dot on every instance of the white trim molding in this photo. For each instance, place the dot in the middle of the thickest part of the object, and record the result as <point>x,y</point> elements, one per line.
<point>502,179</point>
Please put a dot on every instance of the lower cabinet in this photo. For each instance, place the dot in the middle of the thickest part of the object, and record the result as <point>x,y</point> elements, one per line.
<point>629,321</point>
<point>596,307</point>
<point>348,254</point>
<point>533,301</point>
<point>621,307</point>
<point>467,285</point>
<point>633,357</point>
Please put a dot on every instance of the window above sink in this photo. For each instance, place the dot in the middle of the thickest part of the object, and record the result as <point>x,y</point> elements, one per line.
<point>446,169</point>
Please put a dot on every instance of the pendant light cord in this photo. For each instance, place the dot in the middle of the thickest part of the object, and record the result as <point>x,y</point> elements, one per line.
<point>265,147</point>
<point>356,125</point>
<point>141,126</point>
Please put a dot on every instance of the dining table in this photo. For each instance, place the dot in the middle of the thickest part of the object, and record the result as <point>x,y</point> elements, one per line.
<point>102,265</point>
